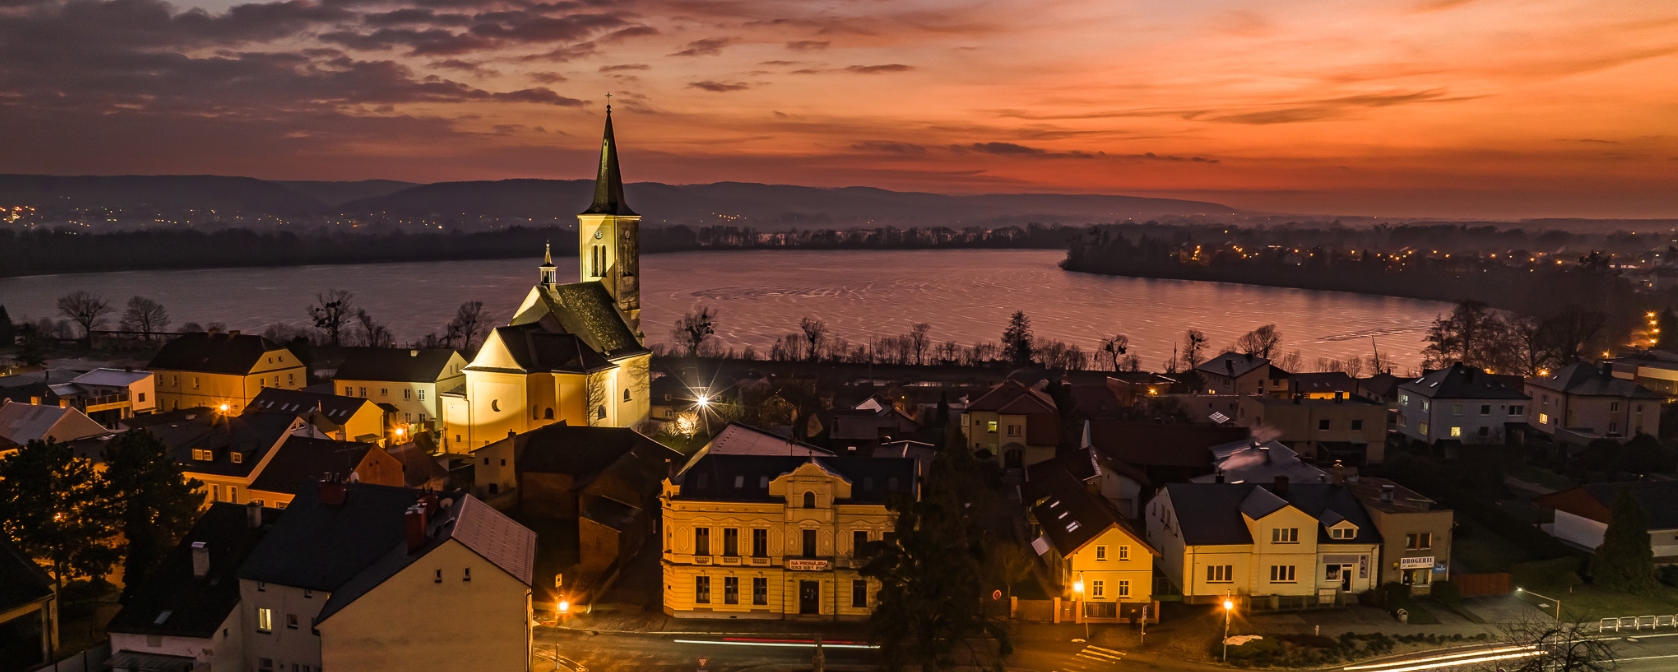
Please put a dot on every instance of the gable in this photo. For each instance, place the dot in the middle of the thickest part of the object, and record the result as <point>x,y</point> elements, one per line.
<point>494,354</point>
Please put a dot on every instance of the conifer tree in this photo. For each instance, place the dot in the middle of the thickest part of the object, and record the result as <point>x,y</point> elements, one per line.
<point>1017,340</point>
<point>8,333</point>
<point>56,507</point>
<point>1625,561</point>
<point>154,502</point>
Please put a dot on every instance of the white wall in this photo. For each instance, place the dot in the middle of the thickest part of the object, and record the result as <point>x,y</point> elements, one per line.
<point>1582,531</point>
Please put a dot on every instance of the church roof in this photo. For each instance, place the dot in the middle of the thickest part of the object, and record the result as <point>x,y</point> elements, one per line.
<point>608,183</point>
<point>587,310</point>
<point>534,348</point>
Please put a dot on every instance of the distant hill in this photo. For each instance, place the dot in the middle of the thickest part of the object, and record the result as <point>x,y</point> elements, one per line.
<point>161,193</point>
<point>772,205</point>
<point>334,194</point>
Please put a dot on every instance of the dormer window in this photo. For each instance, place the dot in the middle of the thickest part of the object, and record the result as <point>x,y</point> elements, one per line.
<point>1343,532</point>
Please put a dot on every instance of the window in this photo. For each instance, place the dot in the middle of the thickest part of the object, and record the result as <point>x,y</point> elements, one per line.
<point>702,589</point>
<point>1484,431</point>
<point>1357,425</point>
<point>1614,407</point>
<point>363,393</point>
<point>291,379</point>
<point>1517,411</point>
<point>1456,432</point>
<point>1404,400</point>
<point>264,620</point>
<point>1098,589</point>
<point>1426,405</point>
<point>233,494</point>
<point>215,493</point>
<point>1124,588</point>
<point>760,543</point>
<point>467,576</point>
<point>702,541</point>
<point>1014,430</point>
<point>1422,427</point>
<point>438,578</point>
<point>265,664</point>
<point>990,426</point>
<point>1220,573</point>
<point>809,543</point>
<point>201,455</point>
<point>195,382</point>
<point>1322,425</point>
<point>600,413</point>
<point>1124,553</point>
<point>1485,409</point>
<point>739,481</point>
<point>291,621</point>
<point>1543,418</point>
<point>308,594</point>
<point>143,398</point>
<point>859,593</point>
<point>349,391</point>
<point>1281,573</point>
<point>809,500</point>
<point>731,542</point>
<point>626,395</point>
<point>384,391</point>
<point>1418,541</point>
<point>237,457</point>
<point>859,539</point>
<point>1456,409</point>
<point>1100,553</point>
<point>420,394</point>
<point>1342,533</point>
<point>261,587</point>
<point>730,590</point>
<point>1284,535</point>
<point>760,591</point>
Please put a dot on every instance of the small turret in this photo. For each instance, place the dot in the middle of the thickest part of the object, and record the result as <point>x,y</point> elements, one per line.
<point>550,273</point>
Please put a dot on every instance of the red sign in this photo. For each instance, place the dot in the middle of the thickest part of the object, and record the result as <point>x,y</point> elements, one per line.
<point>996,595</point>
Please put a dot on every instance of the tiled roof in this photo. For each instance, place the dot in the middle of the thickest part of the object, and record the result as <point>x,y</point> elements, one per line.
<point>1460,381</point>
<point>423,365</point>
<point>336,408</point>
<point>1232,364</point>
<point>252,435</point>
<point>171,601</point>
<point>739,439</point>
<point>584,451</point>
<point>302,461</point>
<point>745,478</point>
<point>1210,513</point>
<point>1658,499</point>
<point>321,547</point>
<point>588,311</point>
<point>23,423</point>
<point>1071,516</point>
<point>535,349</point>
<point>1145,444</point>
<point>1585,379</point>
<point>1013,397</point>
<point>224,353</point>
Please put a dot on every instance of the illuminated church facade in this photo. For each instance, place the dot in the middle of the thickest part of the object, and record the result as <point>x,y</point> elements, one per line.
<point>573,352</point>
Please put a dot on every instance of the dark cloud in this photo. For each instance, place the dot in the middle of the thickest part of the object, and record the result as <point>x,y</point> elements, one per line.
<point>808,45</point>
<point>625,66</point>
<point>626,33</point>
<point>547,77</point>
<point>879,69</point>
<point>706,47</point>
<point>1013,149</point>
<point>719,87</point>
<point>477,69</point>
<point>1328,108</point>
<point>781,63</point>
<point>889,147</point>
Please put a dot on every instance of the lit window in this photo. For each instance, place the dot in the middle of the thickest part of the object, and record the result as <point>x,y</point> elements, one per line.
<point>237,457</point>
<point>1220,573</point>
<point>264,620</point>
<point>991,426</point>
<point>1456,431</point>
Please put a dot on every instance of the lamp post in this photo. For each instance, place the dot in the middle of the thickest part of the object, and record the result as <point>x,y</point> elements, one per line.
<point>1544,597</point>
<point>1229,608</point>
<point>704,404</point>
<point>1078,587</point>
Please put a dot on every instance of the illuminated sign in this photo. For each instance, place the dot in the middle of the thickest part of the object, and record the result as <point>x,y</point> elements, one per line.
<point>806,564</point>
<point>1416,563</point>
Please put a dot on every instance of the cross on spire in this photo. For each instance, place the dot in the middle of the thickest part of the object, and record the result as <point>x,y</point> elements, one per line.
<point>608,102</point>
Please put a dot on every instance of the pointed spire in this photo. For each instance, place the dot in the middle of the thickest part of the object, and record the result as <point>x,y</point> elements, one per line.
<point>608,182</point>
<point>547,255</point>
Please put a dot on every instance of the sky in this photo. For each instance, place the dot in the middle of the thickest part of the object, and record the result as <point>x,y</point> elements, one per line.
<point>1386,108</point>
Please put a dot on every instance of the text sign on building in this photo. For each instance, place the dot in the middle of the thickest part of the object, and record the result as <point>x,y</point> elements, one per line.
<point>806,564</point>
<point>1416,563</point>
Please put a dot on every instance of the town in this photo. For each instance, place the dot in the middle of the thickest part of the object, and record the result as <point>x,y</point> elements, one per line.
<point>555,493</point>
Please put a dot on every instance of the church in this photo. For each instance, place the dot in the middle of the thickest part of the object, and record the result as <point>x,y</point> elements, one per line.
<point>573,352</point>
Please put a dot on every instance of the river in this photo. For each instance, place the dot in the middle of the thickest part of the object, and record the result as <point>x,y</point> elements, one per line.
<point>966,295</point>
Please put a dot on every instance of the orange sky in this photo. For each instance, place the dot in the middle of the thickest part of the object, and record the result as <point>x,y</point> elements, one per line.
<point>1463,108</point>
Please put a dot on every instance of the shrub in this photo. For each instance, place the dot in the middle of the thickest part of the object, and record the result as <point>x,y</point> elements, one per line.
<point>1668,574</point>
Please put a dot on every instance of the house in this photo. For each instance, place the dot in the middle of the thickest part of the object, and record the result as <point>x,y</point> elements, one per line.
<point>1323,385</point>
<point>420,469</point>
<point>222,370</point>
<point>225,452</point>
<point>1588,402</point>
<point>1382,388</point>
<point>1016,424</point>
<point>1342,427</point>
<point>1238,373</point>
<point>753,536</point>
<point>742,439</point>
<point>1415,535</point>
<point>351,418</point>
<point>21,423</point>
<point>1582,514</point>
<point>1281,545</point>
<point>858,431</point>
<point>1120,484</point>
<point>357,576</point>
<point>300,461</point>
<point>109,395</point>
<point>1096,558</point>
<point>1460,404</point>
<point>1254,461</point>
<point>184,615</point>
<point>1656,370</point>
<point>412,380</point>
<point>1166,453</point>
<point>27,592</point>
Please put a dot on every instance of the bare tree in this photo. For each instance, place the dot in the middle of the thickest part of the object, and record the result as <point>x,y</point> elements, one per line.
<point>595,398</point>
<point>693,329</point>
<point>1550,646</point>
<point>1194,348</point>
<point>87,310</point>
<point>1009,563</point>
<point>332,313</point>
<point>814,329</point>
<point>468,324</point>
<point>1353,366</point>
<point>918,337</point>
<point>1260,342</point>
<point>1292,361</point>
<point>373,334</point>
<point>1115,347</point>
<point>145,316</point>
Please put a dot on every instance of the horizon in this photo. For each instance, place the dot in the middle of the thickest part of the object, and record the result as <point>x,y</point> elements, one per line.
<point>1453,113</point>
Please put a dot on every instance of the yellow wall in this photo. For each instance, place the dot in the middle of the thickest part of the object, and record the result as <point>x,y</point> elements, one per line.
<point>1137,568</point>
<point>186,389</point>
<point>413,622</point>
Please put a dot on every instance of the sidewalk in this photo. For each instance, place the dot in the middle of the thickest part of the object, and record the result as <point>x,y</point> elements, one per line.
<point>628,619</point>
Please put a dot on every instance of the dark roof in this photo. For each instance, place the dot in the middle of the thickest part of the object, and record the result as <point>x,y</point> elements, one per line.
<point>21,580</point>
<point>585,451</point>
<point>1082,464</point>
<point>1659,500</point>
<point>589,311</point>
<point>1232,364</point>
<point>1071,515</point>
<point>610,512</point>
<point>608,180</point>
<point>320,547</point>
<point>536,349</point>
<point>1146,444</point>
<point>1210,513</point>
<point>214,353</point>
<point>252,435</point>
<point>1380,385</point>
<point>338,409</point>
<point>1461,381</point>
<point>1013,397</point>
<point>196,607</point>
<point>423,365</point>
<point>303,460</point>
<point>1096,401</point>
<point>1586,379</point>
<point>713,477</point>
<point>1324,382</point>
<point>419,466</point>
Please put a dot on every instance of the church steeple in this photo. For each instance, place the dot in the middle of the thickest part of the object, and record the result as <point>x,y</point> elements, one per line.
<point>608,181</point>
<point>550,273</point>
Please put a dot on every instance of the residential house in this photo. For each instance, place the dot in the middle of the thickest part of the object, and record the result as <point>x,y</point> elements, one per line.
<point>28,593</point>
<point>225,452</point>
<point>858,431</point>
<point>1346,427</point>
<point>1097,559</point>
<point>1254,461</point>
<point>1017,425</point>
<point>742,439</point>
<point>421,470</point>
<point>1415,535</point>
<point>1460,404</point>
<point>21,423</point>
<point>1323,385</point>
<point>224,371</point>
<point>300,461</point>
<point>411,380</point>
<point>1585,402</point>
<point>1281,545</point>
<point>1582,514</point>
<point>1656,370</point>
<point>1239,374</point>
<point>1122,485</point>
<point>109,395</point>
<point>184,615</point>
<point>349,418</point>
<point>356,576</point>
<point>752,536</point>
<point>1166,453</point>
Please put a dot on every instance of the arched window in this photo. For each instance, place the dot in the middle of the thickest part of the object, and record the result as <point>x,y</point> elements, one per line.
<point>626,395</point>
<point>600,412</point>
<point>809,500</point>
<point>548,414</point>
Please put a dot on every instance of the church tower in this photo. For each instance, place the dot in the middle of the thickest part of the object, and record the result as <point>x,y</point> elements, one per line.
<point>609,236</point>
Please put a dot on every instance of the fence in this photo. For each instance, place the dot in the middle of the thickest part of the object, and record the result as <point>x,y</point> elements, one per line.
<point>1035,611</point>
<point>1637,623</point>
<point>1481,585</point>
<point>88,660</point>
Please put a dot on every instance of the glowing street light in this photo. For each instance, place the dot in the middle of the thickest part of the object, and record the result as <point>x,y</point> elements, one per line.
<point>223,408</point>
<point>1229,608</point>
<point>1078,587</point>
<point>704,401</point>
<point>1543,597</point>
<point>400,431</point>
<point>564,606</point>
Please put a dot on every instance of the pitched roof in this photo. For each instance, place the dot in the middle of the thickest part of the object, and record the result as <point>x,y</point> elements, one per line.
<point>229,353</point>
<point>1585,379</point>
<point>741,439</point>
<point>418,465</point>
<point>1083,464</point>
<point>321,547</point>
<point>714,477</point>
<point>1659,500</point>
<point>23,423</point>
<point>21,580</point>
<point>171,601</point>
<point>1146,444</point>
<point>1232,364</point>
<point>610,512</point>
<point>1210,513</point>
<point>535,349</point>
<point>608,181</point>
<point>338,409</point>
<point>302,461</point>
<point>111,377</point>
<point>422,365</point>
<point>1071,516</point>
<point>252,435</point>
<point>1013,397</point>
<point>1251,461</point>
<point>1324,382</point>
<point>584,451</point>
<point>1460,381</point>
<point>589,311</point>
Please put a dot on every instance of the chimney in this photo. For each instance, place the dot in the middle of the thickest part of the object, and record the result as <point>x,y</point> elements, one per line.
<point>200,560</point>
<point>416,527</point>
<point>1339,471</point>
<point>1229,366</point>
<point>1607,369</point>
<point>1282,486</point>
<point>1386,492</point>
<point>253,515</point>
<point>332,492</point>
<point>1265,451</point>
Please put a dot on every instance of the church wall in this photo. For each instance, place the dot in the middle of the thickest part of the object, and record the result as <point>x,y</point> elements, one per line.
<point>498,406</point>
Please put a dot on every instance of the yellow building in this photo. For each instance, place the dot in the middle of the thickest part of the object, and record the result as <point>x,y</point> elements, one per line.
<point>1283,545</point>
<point>757,536</point>
<point>573,352</point>
<point>1096,558</point>
<point>1016,424</point>
<point>224,371</point>
<point>300,461</point>
<point>226,452</point>
<point>344,418</point>
<point>411,381</point>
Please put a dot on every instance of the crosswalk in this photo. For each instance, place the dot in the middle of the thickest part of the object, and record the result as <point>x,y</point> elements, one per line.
<point>1093,659</point>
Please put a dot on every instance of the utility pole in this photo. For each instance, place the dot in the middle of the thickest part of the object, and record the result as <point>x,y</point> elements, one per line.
<point>819,661</point>
<point>1143,638</point>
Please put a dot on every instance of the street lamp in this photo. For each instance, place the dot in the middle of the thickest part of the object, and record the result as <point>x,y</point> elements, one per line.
<point>1078,587</point>
<point>1229,608</point>
<point>1544,597</point>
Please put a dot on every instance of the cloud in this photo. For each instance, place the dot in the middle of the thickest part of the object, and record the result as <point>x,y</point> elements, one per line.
<point>627,33</point>
<point>879,69</point>
<point>781,63</point>
<point>625,66</point>
<point>719,87</point>
<point>707,47</point>
<point>547,77</point>
<point>808,45</point>
<point>1329,108</point>
<point>889,147</point>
